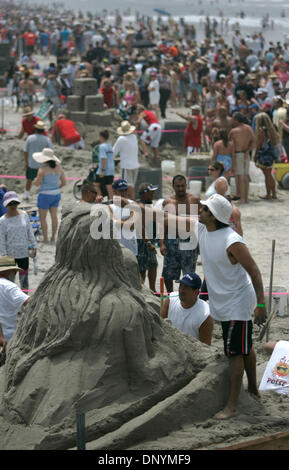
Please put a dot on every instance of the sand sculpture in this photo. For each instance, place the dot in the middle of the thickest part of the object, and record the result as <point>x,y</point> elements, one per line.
<point>92,340</point>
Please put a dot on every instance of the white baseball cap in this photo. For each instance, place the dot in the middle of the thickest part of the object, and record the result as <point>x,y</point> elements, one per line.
<point>220,207</point>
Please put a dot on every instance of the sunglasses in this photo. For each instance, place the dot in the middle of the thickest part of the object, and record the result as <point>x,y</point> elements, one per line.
<point>211,169</point>
<point>206,209</point>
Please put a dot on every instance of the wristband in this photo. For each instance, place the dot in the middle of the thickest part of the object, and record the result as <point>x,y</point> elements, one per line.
<point>261,305</point>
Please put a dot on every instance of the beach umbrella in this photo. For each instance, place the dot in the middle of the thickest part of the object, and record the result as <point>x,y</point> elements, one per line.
<point>142,43</point>
<point>162,12</point>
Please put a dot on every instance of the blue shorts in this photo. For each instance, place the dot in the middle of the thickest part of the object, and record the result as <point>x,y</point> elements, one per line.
<point>45,201</point>
<point>178,260</point>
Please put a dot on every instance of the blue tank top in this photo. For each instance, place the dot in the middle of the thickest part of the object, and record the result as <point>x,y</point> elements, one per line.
<point>50,184</point>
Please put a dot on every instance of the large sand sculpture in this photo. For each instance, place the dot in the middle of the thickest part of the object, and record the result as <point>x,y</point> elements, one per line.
<point>92,340</point>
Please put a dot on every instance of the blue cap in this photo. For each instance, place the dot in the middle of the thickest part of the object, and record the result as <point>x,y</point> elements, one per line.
<point>120,185</point>
<point>192,280</point>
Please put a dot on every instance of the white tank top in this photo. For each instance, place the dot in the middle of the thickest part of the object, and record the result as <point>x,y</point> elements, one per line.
<point>187,320</point>
<point>211,189</point>
<point>231,292</point>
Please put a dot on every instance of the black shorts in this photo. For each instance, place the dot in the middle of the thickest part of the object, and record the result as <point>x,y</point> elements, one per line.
<point>237,336</point>
<point>105,180</point>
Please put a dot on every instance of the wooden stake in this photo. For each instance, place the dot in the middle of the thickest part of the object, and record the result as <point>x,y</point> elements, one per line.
<point>271,287</point>
<point>162,290</point>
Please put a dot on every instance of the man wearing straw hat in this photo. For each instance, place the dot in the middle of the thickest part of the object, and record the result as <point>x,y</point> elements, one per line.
<point>11,299</point>
<point>34,144</point>
<point>28,122</point>
<point>127,147</point>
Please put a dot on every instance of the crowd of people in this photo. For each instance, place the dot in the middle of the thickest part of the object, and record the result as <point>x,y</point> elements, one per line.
<point>238,111</point>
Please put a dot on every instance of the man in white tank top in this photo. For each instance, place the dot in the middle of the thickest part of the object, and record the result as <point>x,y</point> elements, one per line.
<point>235,286</point>
<point>187,312</point>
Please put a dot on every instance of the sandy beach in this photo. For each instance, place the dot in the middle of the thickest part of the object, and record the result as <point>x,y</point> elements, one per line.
<point>262,222</point>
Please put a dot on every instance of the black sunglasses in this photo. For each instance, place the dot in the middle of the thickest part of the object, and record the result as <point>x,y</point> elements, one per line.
<point>206,209</point>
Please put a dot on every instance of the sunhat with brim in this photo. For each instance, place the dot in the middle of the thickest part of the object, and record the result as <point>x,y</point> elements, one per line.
<point>45,156</point>
<point>10,196</point>
<point>27,111</point>
<point>196,107</point>
<point>125,128</point>
<point>7,263</point>
<point>220,207</point>
<point>261,91</point>
<point>40,125</point>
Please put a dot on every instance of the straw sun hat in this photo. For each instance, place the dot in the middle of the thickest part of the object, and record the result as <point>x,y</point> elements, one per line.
<point>27,111</point>
<point>125,128</point>
<point>45,156</point>
<point>8,263</point>
<point>40,125</point>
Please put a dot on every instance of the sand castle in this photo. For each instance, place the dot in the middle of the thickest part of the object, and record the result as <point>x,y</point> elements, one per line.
<point>92,340</point>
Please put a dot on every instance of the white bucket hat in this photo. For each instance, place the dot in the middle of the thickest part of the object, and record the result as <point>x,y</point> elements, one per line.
<point>45,156</point>
<point>125,128</point>
<point>220,207</point>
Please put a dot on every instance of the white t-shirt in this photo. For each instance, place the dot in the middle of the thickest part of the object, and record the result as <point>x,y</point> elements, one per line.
<point>126,237</point>
<point>212,190</point>
<point>276,375</point>
<point>11,300</point>
<point>231,292</point>
<point>127,147</point>
<point>154,95</point>
<point>187,320</point>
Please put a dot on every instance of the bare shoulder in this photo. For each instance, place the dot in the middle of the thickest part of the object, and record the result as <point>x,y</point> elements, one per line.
<point>193,199</point>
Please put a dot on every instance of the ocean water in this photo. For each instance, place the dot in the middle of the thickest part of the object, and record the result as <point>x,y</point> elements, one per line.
<point>254,9</point>
<point>194,11</point>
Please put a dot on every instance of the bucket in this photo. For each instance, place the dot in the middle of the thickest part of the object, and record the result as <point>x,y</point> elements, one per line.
<point>279,302</point>
<point>169,166</point>
<point>257,189</point>
<point>195,187</point>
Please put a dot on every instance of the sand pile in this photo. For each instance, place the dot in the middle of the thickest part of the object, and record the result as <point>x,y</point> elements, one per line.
<point>90,341</point>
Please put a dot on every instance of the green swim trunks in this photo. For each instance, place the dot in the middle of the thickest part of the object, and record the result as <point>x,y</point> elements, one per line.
<point>31,173</point>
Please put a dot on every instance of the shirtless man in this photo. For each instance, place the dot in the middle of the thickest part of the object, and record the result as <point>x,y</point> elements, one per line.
<point>223,121</point>
<point>175,258</point>
<point>243,139</point>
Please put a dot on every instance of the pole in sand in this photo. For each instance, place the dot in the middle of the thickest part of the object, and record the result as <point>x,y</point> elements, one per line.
<point>265,328</point>
<point>271,286</point>
<point>80,429</point>
<point>162,290</point>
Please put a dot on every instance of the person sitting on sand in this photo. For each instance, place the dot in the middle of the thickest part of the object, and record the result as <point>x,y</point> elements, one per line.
<point>152,135</point>
<point>187,312</point>
<point>89,193</point>
<point>276,375</point>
